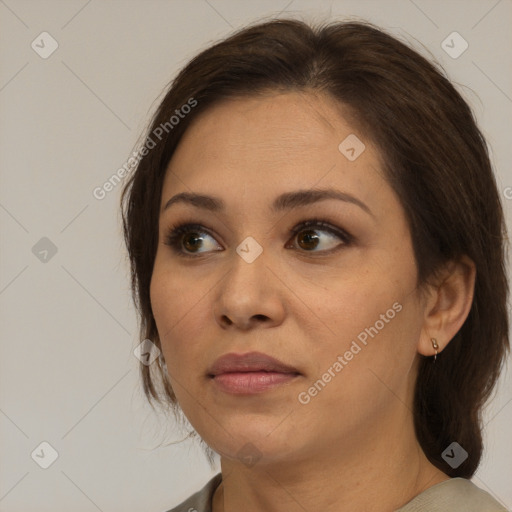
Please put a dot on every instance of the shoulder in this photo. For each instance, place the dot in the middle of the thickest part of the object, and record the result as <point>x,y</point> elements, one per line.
<point>201,501</point>
<point>456,494</point>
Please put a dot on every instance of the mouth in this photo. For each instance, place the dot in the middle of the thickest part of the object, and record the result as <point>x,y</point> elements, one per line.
<point>254,372</point>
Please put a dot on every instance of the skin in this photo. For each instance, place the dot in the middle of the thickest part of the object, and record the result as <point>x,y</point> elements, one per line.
<point>353,446</point>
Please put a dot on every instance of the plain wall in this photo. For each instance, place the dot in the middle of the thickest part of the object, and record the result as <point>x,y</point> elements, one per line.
<point>68,375</point>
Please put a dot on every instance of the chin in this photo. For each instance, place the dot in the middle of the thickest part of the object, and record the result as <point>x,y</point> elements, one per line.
<point>252,442</point>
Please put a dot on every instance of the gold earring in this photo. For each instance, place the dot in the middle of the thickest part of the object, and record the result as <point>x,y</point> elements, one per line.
<point>436,346</point>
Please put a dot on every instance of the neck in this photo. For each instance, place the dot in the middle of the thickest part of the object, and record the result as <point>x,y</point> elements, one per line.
<point>379,469</point>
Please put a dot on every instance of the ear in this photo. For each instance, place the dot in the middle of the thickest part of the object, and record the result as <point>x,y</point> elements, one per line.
<point>447,305</point>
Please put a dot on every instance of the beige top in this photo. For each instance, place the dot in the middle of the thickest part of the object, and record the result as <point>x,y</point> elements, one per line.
<point>454,495</point>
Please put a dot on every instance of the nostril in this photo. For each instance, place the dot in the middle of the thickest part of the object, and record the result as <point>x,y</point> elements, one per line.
<point>244,323</point>
<point>226,320</point>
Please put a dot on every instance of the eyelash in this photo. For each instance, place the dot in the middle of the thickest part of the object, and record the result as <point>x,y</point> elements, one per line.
<point>174,234</point>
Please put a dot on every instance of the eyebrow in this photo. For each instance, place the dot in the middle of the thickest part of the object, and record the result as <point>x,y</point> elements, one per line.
<point>286,201</point>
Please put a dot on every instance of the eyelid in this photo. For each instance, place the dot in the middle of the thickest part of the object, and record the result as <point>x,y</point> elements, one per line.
<point>324,226</point>
<point>174,233</point>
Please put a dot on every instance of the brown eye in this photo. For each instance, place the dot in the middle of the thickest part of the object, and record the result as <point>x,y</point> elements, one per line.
<point>318,236</point>
<point>308,239</point>
<point>192,241</point>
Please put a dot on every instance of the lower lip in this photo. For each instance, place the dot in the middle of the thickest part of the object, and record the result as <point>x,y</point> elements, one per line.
<point>247,383</point>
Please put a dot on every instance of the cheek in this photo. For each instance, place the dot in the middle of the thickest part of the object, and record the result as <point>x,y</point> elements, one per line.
<point>365,373</point>
<point>365,300</point>
<point>180,309</point>
<point>163,300</point>
<point>373,321</point>
<point>374,355</point>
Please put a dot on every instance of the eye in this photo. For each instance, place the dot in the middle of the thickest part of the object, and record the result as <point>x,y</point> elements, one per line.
<point>314,235</point>
<point>318,236</point>
<point>190,239</point>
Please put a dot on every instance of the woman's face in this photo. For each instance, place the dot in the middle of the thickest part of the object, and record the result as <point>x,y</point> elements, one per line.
<point>334,300</point>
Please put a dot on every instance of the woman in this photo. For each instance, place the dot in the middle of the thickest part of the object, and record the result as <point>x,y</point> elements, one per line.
<point>317,249</point>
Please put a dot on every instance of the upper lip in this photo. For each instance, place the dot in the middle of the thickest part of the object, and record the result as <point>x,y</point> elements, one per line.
<point>249,362</point>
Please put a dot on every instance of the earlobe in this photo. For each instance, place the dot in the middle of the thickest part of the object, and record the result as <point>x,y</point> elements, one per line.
<point>447,306</point>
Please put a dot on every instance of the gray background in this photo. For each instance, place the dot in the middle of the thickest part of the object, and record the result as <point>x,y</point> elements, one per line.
<point>68,375</point>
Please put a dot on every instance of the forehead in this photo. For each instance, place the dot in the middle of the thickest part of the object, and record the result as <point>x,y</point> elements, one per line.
<point>271,143</point>
<point>273,123</point>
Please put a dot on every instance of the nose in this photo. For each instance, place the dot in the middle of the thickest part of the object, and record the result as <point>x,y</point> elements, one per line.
<point>249,296</point>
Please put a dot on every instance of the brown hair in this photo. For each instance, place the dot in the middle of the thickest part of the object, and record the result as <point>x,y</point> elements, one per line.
<point>435,159</point>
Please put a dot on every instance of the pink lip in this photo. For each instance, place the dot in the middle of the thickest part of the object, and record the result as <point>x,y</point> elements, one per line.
<point>250,373</point>
<point>248,383</point>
